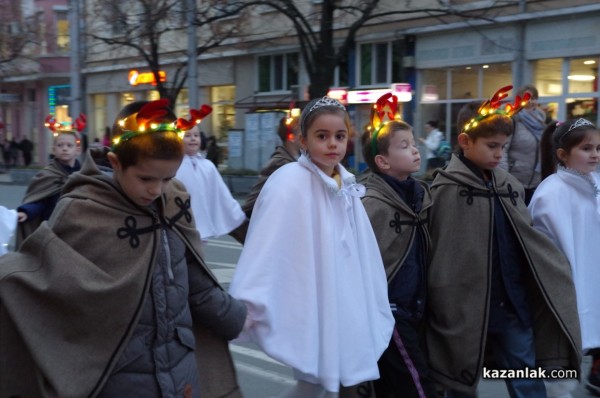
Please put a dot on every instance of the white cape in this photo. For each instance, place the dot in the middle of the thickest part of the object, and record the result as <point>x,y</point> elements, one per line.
<point>566,207</point>
<point>216,212</point>
<point>312,276</point>
<point>8,224</point>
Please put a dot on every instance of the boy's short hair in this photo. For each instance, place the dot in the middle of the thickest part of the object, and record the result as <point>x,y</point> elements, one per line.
<point>487,127</point>
<point>161,145</point>
<point>384,137</point>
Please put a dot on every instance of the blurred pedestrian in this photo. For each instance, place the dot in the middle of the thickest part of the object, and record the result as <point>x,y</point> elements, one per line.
<point>522,153</point>
<point>432,141</point>
<point>26,147</point>
<point>213,152</point>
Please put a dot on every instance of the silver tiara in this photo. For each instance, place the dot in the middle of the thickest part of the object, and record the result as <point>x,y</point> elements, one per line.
<point>580,122</point>
<point>326,101</point>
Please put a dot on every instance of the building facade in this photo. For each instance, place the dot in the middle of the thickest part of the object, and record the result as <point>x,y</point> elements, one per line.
<point>435,55</point>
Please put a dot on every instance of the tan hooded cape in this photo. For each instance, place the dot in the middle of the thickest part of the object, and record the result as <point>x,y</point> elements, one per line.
<point>70,298</point>
<point>459,278</point>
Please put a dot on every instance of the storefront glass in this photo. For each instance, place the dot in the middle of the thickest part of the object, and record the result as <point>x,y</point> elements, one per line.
<point>583,75</point>
<point>223,114</point>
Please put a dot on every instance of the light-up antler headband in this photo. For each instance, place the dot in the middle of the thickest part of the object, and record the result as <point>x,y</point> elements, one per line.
<point>492,107</point>
<point>378,113</point>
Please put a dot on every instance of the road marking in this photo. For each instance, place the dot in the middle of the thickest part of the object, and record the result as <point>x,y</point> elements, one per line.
<point>265,374</point>
<point>217,264</point>
<point>254,353</point>
<point>225,244</point>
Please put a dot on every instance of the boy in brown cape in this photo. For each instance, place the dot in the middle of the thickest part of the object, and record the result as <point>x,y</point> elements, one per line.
<point>45,187</point>
<point>111,296</point>
<point>397,206</point>
<point>493,279</point>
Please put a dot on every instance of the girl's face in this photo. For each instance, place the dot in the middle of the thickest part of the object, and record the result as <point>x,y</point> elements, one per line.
<point>484,152</point>
<point>326,141</point>
<point>403,156</point>
<point>583,157</point>
<point>191,141</point>
<point>145,181</point>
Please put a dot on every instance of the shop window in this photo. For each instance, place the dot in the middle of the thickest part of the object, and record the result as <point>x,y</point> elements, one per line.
<point>100,116</point>
<point>375,64</point>
<point>583,75</point>
<point>582,107</point>
<point>277,72</point>
<point>62,31</point>
<point>127,98</point>
<point>182,104</point>
<point>495,76</point>
<point>152,95</point>
<point>434,85</point>
<point>465,82</point>
<point>223,115</point>
<point>548,76</point>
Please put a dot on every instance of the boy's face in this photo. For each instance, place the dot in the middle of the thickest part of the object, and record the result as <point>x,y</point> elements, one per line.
<point>484,152</point>
<point>145,181</point>
<point>403,156</point>
<point>191,141</point>
<point>65,149</point>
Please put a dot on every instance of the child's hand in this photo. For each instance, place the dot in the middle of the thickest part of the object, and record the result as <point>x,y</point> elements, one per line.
<point>21,216</point>
<point>248,323</point>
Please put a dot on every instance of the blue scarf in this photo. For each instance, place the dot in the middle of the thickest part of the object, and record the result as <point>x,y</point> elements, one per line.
<point>534,120</point>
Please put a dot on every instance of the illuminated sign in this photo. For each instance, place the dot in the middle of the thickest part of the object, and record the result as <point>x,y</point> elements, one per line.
<point>136,77</point>
<point>340,94</point>
<point>58,95</point>
<point>402,90</point>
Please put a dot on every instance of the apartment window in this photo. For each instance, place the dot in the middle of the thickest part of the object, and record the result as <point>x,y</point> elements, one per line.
<point>277,72</point>
<point>380,63</point>
<point>116,14</point>
<point>62,31</point>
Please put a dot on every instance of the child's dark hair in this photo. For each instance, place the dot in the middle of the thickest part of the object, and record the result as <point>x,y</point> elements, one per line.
<point>160,145</point>
<point>433,124</point>
<point>383,139</point>
<point>487,127</point>
<point>563,136</point>
<point>321,106</point>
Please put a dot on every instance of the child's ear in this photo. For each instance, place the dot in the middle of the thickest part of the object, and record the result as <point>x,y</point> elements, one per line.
<point>463,140</point>
<point>113,159</point>
<point>381,162</point>
<point>561,154</point>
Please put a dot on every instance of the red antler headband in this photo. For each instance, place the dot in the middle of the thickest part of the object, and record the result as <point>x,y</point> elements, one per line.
<point>378,113</point>
<point>57,128</point>
<point>492,107</point>
<point>151,118</point>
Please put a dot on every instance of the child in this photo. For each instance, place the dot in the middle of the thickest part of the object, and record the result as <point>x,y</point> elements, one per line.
<point>310,271</point>
<point>8,223</point>
<point>45,187</point>
<point>397,206</point>
<point>216,212</point>
<point>565,198</point>
<point>493,279</point>
<point>110,297</point>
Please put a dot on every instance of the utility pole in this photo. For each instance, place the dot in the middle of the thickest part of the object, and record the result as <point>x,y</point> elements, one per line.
<point>192,75</point>
<point>74,18</point>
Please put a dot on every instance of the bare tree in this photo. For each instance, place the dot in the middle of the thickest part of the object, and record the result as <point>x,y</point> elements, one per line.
<point>327,31</point>
<point>17,32</point>
<point>152,30</point>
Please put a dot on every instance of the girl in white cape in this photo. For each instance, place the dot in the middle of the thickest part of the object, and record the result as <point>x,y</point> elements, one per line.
<point>310,271</point>
<point>8,224</point>
<point>566,207</point>
<point>216,212</point>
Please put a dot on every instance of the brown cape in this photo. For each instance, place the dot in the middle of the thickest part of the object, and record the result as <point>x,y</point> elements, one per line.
<point>393,221</point>
<point>47,182</point>
<point>71,297</point>
<point>460,273</point>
